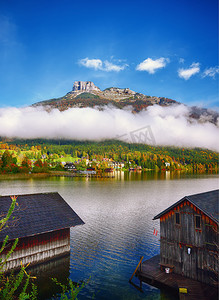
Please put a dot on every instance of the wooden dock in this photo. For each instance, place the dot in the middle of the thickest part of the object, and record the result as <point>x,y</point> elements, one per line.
<point>149,272</point>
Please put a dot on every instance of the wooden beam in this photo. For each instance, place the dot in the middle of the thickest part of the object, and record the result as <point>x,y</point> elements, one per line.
<point>136,268</point>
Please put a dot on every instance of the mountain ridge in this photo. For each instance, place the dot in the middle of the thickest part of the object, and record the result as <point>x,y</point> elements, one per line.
<point>87,94</point>
<point>83,95</point>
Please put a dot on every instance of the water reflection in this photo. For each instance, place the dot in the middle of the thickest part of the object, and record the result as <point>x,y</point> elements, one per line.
<point>58,268</point>
<point>118,228</point>
<point>163,175</point>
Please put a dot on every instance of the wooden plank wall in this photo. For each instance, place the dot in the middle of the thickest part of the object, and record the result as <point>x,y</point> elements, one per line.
<point>202,262</point>
<point>38,248</point>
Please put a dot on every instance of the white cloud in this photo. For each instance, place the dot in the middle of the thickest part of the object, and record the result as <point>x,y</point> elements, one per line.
<point>108,66</point>
<point>187,73</point>
<point>97,64</point>
<point>211,72</point>
<point>151,66</point>
<point>170,125</point>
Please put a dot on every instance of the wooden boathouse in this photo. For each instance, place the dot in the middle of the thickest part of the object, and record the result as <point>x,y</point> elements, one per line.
<point>188,260</point>
<point>189,237</point>
<point>42,223</point>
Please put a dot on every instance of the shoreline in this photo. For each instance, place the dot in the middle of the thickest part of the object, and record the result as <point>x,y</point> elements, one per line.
<point>50,174</point>
<point>24,176</point>
<point>70,174</point>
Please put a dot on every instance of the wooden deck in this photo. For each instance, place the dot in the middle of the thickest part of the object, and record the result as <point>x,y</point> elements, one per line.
<point>150,272</point>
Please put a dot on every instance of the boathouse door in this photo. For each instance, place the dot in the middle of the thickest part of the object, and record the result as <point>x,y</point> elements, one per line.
<point>189,262</point>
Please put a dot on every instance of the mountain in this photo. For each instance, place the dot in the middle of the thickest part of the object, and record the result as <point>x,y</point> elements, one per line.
<point>87,94</point>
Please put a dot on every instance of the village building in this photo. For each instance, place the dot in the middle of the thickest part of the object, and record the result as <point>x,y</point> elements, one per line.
<point>108,170</point>
<point>91,170</point>
<point>139,168</point>
<point>116,165</point>
<point>42,223</point>
<point>70,166</point>
<point>189,237</point>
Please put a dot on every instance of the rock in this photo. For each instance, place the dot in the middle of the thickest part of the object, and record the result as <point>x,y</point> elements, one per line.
<point>84,86</point>
<point>128,91</point>
<point>112,93</point>
<point>120,91</point>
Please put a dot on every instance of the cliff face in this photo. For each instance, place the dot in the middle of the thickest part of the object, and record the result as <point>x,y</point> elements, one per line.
<point>112,94</point>
<point>84,86</point>
<point>90,87</point>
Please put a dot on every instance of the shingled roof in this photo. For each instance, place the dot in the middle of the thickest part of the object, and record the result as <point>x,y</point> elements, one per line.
<point>36,214</point>
<point>207,202</point>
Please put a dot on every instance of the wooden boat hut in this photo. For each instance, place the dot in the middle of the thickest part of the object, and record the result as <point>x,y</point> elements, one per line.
<point>42,223</point>
<point>189,237</point>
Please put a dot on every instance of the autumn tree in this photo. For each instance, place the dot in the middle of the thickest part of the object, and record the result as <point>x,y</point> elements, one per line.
<point>26,165</point>
<point>40,166</point>
<point>8,163</point>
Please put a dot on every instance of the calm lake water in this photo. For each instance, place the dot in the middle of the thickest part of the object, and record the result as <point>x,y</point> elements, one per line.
<point>118,228</point>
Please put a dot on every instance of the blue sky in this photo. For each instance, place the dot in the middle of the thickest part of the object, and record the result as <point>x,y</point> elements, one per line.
<point>159,48</point>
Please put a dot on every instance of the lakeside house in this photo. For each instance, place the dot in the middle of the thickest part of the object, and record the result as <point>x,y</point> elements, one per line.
<point>116,165</point>
<point>42,223</point>
<point>189,237</point>
<point>88,171</point>
<point>69,166</point>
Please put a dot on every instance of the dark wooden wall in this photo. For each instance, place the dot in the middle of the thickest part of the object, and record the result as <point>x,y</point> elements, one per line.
<point>38,248</point>
<point>202,263</point>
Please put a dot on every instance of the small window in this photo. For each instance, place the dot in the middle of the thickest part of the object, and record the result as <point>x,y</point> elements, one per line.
<point>177,218</point>
<point>198,222</point>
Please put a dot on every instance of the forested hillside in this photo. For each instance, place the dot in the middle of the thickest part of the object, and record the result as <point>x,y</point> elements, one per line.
<point>43,155</point>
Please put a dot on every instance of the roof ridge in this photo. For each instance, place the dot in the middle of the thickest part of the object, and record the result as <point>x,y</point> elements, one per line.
<point>195,200</point>
<point>203,193</point>
<point>29,194</point>
<point>39,213</point>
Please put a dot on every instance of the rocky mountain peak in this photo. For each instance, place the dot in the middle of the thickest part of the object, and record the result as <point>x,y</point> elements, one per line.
<point>120,91</point>
<point>87,94</point>
<point>84,86</point>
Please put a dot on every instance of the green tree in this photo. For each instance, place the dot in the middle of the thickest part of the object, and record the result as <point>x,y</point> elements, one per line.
<point>7,159</point>
<point>13,286</point>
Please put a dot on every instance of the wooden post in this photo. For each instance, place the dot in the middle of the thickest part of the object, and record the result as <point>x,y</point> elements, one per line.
<point>136,268</point>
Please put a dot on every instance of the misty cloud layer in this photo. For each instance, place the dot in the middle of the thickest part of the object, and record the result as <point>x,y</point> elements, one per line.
<point>156,125</point>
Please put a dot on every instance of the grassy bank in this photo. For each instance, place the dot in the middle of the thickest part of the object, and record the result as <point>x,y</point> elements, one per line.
<point>32,175</point>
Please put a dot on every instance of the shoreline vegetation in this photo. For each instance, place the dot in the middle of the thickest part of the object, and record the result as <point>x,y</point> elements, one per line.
<point>78,175</point>
<point>44,158</point>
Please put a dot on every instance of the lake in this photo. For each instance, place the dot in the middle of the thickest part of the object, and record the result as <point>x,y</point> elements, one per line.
<point>118,228</point>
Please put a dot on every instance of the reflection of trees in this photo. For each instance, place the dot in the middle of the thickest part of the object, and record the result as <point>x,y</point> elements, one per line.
<point>57,268</point>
